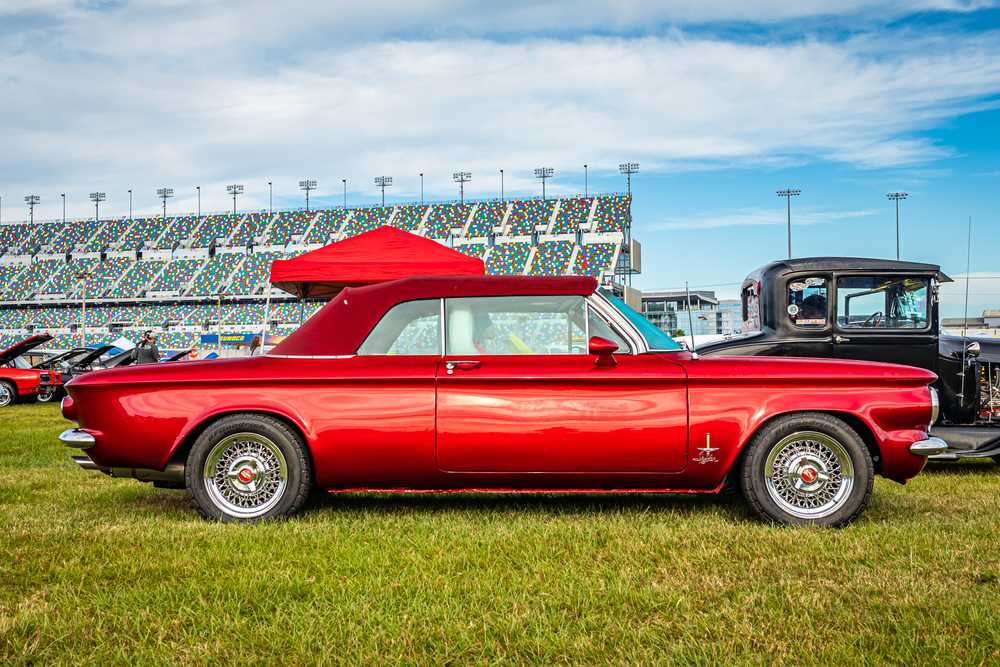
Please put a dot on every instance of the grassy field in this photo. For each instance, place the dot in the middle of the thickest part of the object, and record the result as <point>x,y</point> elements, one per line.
<point>95,570</point>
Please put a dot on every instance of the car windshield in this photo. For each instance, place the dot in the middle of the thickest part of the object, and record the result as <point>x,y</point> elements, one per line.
<point>656,339</point>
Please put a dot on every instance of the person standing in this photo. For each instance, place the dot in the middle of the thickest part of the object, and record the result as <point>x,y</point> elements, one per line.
<point>254,349</point>
<point>148,352</point>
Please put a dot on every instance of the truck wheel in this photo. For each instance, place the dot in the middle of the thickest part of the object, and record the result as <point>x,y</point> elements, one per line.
<point>248,468</point>
<point>807,468</point>
<point>8,393</point>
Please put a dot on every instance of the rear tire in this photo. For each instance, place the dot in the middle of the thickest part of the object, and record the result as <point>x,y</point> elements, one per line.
<point>49,398</point>
<point>8,393</point>
<point>807,469</point>
<point>248,468</point>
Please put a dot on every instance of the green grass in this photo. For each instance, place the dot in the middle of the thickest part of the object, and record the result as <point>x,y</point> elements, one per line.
<point>95,570</point>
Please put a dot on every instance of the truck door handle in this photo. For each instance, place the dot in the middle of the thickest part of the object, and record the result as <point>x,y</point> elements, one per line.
<point>841,339</point>
<point>461,365</point>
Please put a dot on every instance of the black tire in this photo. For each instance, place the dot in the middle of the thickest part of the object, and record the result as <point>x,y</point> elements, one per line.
<point>49,398</point>
<point>248,468</point>
<point>8,393</point>
<point>808,468</point>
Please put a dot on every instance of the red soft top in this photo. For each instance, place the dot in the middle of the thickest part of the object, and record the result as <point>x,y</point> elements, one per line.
<point>342,325</point>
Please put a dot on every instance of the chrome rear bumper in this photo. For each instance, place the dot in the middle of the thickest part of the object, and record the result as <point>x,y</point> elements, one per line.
<point>74,437</point>
<point>932,446</point>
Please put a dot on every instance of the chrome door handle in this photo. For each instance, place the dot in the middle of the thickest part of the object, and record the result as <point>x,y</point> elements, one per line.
<point>841,339</point>
<point>461,365</point>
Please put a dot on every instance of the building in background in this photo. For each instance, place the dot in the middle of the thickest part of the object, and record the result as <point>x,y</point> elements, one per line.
<point>711,316</point>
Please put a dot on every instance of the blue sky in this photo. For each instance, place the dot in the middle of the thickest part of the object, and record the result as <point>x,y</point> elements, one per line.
<point>721,104</point>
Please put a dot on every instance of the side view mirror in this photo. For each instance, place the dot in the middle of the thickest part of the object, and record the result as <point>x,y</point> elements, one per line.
<point>604,349</point>
<point>973,349</point>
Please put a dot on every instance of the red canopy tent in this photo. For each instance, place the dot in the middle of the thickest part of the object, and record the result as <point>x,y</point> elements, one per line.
<point>377,256</point>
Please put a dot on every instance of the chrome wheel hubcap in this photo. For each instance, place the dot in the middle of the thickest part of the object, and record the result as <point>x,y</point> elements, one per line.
<point>5,396</point>
<point>810,475</point>
<point>246,475</point>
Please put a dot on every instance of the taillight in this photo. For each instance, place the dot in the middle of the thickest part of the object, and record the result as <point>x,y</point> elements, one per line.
<point>68,408</point>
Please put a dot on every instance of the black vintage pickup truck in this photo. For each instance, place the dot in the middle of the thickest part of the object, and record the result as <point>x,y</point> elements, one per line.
<point>875,310</point>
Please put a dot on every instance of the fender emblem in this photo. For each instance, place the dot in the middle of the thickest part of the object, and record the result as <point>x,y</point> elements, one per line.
<point>706,455</point>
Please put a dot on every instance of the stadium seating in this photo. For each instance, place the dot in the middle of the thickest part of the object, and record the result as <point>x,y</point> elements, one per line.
<point>408,217</point>
<point>552,259</point>
<point>211,229</point>
<point>326,224</point>
<point>508,259</point>
<point>7,273</point>
<point>209,280</point>
<point>473,249</point>
<point>488,215</point>
<point>245,314</point>
<point>178,232</point>
<point>44,234</point>
<point>31,279</point>
<point>74,233</point>
<point>526,214</point>
<point>609,216</point>
<point>572,213</point>
<point>105,274</point>
<point>366,219</point>
<point>15,236</point>
<point>136,280</point>
<point>144,232</point>
<point>177,274</point>
<point>593,258</point>
<point>253,272</point>
<point>66,280</point>
<point>253,226</point>
<point>445,217</point>
<point>110,233</point>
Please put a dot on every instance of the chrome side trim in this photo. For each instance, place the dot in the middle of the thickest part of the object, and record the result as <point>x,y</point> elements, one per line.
<point>932,446</point>
<point>617,321</point>
<point>935,406</point>
<point>310,356</point>
<point>74,437</point>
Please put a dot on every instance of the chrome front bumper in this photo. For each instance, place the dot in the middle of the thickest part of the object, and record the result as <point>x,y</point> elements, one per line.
<point>78,438</point>
<point>930,447</point>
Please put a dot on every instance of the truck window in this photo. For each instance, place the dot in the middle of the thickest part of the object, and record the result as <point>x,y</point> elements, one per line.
<point>879,302</point>
<point>751,309</point>
<point>807,304</point>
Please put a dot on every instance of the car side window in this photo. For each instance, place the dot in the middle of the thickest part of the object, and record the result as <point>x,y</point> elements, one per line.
<point>807,302</point>
<point>407,329</point>
<point>515,325</point>
<point>882,302</point>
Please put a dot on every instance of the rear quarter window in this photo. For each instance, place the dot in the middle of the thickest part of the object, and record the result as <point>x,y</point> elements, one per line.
<point>807,304</point>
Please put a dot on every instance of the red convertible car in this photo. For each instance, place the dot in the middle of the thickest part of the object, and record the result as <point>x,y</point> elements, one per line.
<point>19,382</point>
<point>502,384</point>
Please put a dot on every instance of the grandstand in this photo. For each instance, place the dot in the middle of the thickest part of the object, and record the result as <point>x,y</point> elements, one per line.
<point>190,275</point>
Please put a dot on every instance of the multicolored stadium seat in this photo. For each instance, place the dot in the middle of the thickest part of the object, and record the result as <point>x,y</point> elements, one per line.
<point>552,258</point>
<point>7,273</point>
<point>445,217</point>
<point>245,314</point>
<point>44,234</point>
<point>178,232</point>
<point>295,223</point>
<point>526,215</point>
<point>144,232</point>
<point>66,280</point>
<point>104,275</point>
<point>213,228</point>
<point>254,225</point>
<point>572,213</point>
<point>610,213</point>
<point>31,279</point>
<point>365,220</point>
<point>473,249</point>
<point>488,216</point>
<point>15,236</point>
<point>110,233</point>
<point>177,274</point>
<point>508,259</point>
<point>79,232</point>
<point>209,280</point>
<point>408,217</point>
<point>249,276</point>
<point>593,258</point>
<point>135,281</point>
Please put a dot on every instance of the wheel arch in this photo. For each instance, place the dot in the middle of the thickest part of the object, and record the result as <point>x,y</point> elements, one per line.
<point>187,440</point>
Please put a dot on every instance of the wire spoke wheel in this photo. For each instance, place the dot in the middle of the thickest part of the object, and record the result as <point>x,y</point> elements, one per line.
<point>809,475</point>
<point>245,474</point>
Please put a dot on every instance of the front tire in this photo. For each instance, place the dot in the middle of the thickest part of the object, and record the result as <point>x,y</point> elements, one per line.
<point>807,469</point>
<point>8,393</point>
<point>248,468</point>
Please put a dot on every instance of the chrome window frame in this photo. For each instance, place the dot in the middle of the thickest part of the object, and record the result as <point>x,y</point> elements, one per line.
<point>619,323</point>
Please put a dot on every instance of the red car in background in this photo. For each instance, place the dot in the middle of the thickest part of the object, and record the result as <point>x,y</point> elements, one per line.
<point>19,382</point>
<point>502,384</point>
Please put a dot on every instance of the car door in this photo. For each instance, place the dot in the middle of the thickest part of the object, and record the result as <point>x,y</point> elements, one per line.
<point>517,391</point>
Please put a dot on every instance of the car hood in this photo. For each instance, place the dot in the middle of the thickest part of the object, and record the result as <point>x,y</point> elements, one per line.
<point>17,349</point>
<point>803,368</point>
<point>50,363</point>
<point>954,346</point>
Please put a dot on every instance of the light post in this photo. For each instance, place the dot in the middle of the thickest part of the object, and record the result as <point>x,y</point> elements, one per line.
<point>501,186</point>
<point>896,196</point>
<point>585,180</point>
<point>462,177</point>
<point>97,198</point>
<point>64,207</point>
<point>198,188</point>
<point>382,182</point>
<point>307,186</point>
<point>31,201</point>
<point>789,194</point>
<point>543,173</point>
<point>421,189</point>
<point>163,193</point>
<point>629,168</point>
<point>130,206</point>
<point>81,278</point>
<point>270,200</point>
<point>234,190</point>
<point>345,193</point>
<point>624,268</point>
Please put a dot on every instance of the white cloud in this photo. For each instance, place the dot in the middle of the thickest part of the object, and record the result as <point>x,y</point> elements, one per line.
<point>745,217</point>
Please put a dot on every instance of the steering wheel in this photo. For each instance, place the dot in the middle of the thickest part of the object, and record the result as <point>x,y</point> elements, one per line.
<point>877,322</point>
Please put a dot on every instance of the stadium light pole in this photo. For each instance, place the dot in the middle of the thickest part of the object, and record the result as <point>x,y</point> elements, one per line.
<point>130,206</point>
<point>585,180</point>
<point>64,207</point>
<point>462,177</point>
<point>789,193</point>
<point>163,193</point>
<point>421,189</point>
<point>382,182</point>
<point>307,186</point>
<point>81,277</point>
<point>896,196</point>
<point>501,187</point>
<point>31,201</point>
<point>198,188</point>
<point>345,193</point>
<point>270,199</point>
<point>97,198</point>
<point>544,173</point>
<point>624,267</point>
<point>234,190</point>
<point>629,168</point>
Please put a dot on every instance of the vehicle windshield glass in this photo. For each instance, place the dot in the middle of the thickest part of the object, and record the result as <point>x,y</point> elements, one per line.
<point>656,339</point>
<point>876,302</point>
<point>19,362</point>
<point>807,304</point>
